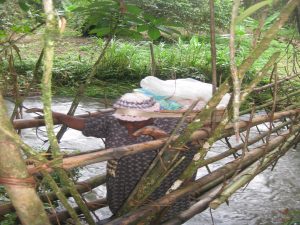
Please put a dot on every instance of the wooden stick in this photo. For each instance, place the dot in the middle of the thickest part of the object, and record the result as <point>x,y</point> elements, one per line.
<point>262,88</point>
<point>271,102</point>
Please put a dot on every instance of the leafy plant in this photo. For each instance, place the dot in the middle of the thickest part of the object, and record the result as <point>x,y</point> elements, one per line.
<point>108,17</point>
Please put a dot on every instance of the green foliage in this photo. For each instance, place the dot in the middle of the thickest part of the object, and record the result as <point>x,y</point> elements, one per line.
<point>194,14</point>
<point>9,219</point>
<point>108,17</point>
<point>19,16</point>
<point>252,9</point>
<point>127,63</point>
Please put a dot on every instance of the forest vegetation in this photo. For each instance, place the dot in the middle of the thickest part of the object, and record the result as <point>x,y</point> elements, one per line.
<point>103,48</point>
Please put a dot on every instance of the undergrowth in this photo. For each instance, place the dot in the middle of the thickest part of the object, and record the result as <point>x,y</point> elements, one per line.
<point>126,63</point>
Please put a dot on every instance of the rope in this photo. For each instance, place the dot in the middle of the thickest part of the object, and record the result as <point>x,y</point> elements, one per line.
<point>19,182</point>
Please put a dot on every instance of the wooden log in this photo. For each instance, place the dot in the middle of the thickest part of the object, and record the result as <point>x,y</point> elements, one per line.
<point>29,123</point>
<point>82,187</point>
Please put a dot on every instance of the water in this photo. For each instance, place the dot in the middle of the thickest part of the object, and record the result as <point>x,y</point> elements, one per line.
<point>262,202</point>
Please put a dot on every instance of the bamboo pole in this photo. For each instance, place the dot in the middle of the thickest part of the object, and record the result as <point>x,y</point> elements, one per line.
<point>262,88</point>
<point>16,179</point>
<point>49,38</point>
<point>221,173</point>
<point>271,102</point>
<point>240,146</point>
<point>236,79</point>
<point>213,45</point>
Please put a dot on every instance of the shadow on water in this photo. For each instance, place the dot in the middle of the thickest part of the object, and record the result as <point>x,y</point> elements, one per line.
<point>262,202</point>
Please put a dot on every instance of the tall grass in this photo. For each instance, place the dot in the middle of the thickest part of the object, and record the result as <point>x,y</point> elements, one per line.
<point>128,62</point>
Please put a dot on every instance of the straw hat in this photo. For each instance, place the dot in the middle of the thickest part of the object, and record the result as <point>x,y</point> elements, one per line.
<point>135,101</point>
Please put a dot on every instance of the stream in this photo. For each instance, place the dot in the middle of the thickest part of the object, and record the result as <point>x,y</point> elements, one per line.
<point>263,202</point>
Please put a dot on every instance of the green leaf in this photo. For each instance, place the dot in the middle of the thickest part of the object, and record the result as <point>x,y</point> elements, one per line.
<point>72,8</point>
<point>252,9</point>
<point>21,28</point>
<point>159,21</point>
<point>101,31</point>
<point>271,19</point>
<point>2,1</point>
<point>240,30</point>
<point>23,5</point>
<point>154,33</point>
<point>142,28</point>
<point>129,33</point>
<point>2,34</point>
<point>133,9</point>
<point>149,18</point>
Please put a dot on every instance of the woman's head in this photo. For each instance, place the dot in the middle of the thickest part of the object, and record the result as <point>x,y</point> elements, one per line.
<point>135,101</point>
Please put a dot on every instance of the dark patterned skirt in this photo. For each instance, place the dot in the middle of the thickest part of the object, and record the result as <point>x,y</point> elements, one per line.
<point>124,174</point>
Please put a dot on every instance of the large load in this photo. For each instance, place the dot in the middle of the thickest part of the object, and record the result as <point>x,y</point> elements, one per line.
<point>179,93</point>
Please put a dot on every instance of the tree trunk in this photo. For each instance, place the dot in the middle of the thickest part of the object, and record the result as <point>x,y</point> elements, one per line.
<point>16,179</point>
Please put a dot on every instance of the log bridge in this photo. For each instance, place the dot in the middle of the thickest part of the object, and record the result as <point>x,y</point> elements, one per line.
<point>272,135</point>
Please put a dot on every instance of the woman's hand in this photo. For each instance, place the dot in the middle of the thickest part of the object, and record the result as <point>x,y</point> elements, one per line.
<point>152,131</point>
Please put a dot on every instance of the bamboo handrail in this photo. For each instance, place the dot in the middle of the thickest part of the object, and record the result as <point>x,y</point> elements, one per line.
<point>117,153</point>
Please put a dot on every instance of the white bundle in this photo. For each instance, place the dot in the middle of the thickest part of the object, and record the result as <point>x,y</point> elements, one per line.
<point>184,91</point>
<point>180,88</point>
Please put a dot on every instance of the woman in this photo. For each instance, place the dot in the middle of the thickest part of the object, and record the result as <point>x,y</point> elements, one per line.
<point>120,129</point>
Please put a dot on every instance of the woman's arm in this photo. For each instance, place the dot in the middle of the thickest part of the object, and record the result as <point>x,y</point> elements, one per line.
<point>71,121</point>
